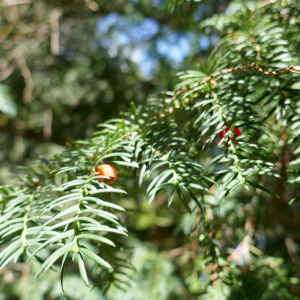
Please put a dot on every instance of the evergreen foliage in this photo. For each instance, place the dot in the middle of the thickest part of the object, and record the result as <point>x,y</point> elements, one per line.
<point>183,149</point>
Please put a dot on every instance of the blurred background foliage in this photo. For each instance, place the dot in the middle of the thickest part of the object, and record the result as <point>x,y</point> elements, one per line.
<point>66,66</point>
<point>71,65</point>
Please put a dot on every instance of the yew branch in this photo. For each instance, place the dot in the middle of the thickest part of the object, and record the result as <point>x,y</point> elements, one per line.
<point>235,69</point>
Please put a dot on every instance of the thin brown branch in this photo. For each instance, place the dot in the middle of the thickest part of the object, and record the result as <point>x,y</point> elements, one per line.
<point>54,16</point>
<point>14,2</point>
<point>178,251</point>
<point>290,245</point>
<point>27,77</point>
<point>268,2</point>
<point>241,253</point>
<point>92,5</point>
<point>232,70</point>
<point>6,31</point>
<point>48,124</point>
<point>7,70</point>
<point>8,64</point>
<point>15,267</point>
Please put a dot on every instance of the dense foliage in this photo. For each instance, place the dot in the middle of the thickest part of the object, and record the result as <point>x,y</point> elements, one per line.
<point>216,157</point>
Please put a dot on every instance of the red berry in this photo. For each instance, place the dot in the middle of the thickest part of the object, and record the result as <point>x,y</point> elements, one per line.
<point>107,170</point>
<point>236,131</point>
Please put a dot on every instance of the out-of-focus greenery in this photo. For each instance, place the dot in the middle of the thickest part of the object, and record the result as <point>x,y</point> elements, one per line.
<point>73,65</point>
<point>66,67</point>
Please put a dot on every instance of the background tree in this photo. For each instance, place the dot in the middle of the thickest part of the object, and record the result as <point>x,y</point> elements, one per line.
<point>216,156</point>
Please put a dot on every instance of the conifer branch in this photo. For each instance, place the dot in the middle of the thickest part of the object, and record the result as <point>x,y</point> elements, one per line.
<point>235,69</point>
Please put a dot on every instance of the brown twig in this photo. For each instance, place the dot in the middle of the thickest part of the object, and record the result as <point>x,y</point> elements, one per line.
<point>48,124</point>
<point>242,251</point>
<point>15,267</point>
<point>189,247</point>
<point>54,16</point>
<point>92,5</point>
<point>6,31</point>
<point>29,85</point>
<point>14,2</point>
<point>290,245</point>
<point>231,70</point>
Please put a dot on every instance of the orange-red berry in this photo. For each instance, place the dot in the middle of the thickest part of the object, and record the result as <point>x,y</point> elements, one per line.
<point>236,131</point>
<point>107,170</point>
